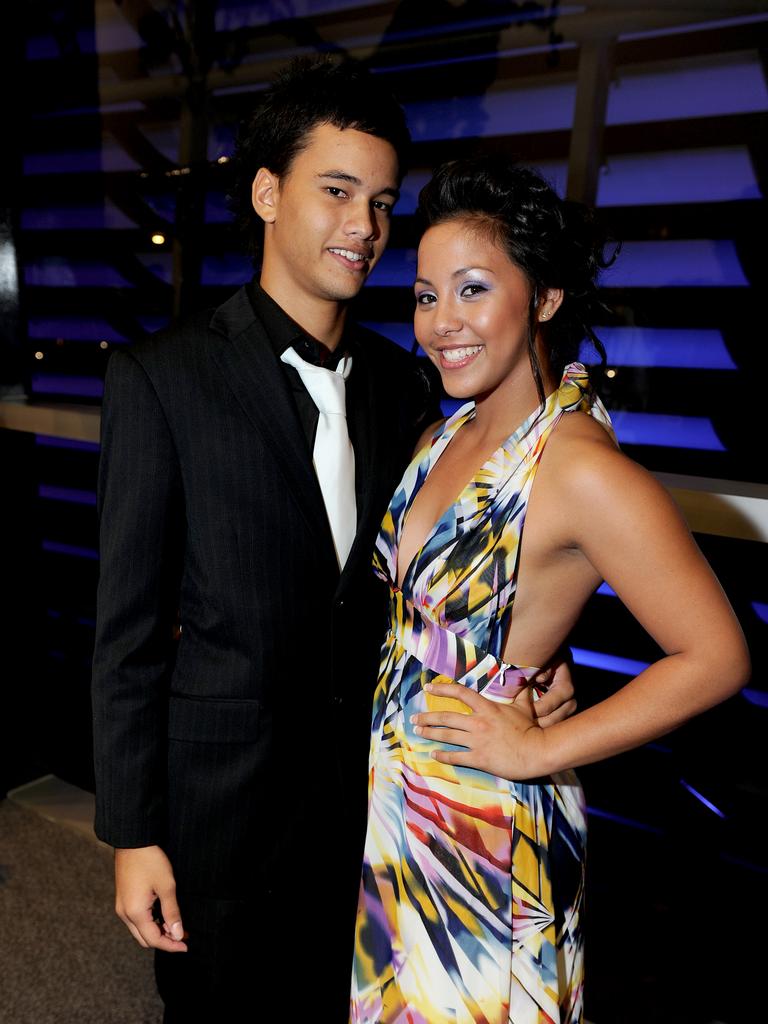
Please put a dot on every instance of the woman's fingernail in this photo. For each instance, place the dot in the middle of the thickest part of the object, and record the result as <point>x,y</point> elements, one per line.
<point>418,730</point>
<point>428,686</point>
<point>413,719</point>
<point>177,930</point>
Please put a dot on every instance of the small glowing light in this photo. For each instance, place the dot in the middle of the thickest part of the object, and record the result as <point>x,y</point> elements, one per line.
<point>103,344</point>
<point>39,355</point>
<point>223,160</point>
<point>144,174</point>
<point>610,373</point>
<point>158,239</point>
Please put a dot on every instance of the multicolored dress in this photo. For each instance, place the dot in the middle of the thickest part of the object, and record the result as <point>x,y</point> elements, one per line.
<point>471,897</point>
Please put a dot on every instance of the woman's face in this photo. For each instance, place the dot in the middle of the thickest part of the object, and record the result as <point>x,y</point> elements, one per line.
<point>472,307</point>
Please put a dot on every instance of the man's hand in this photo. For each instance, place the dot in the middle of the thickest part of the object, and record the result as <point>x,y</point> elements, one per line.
<point>142,877</point>
<point>557,701</point>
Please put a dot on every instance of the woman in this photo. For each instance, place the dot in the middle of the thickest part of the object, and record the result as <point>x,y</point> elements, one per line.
<point>471,897</point>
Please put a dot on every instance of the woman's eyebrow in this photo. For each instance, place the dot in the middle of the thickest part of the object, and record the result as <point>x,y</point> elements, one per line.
<point>466,270</point>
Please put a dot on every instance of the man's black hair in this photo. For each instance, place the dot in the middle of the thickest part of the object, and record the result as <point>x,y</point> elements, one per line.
<point>310,91</point>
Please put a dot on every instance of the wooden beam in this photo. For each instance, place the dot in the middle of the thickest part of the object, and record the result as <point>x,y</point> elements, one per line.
<point>585,157</point>
<point>76,422</point>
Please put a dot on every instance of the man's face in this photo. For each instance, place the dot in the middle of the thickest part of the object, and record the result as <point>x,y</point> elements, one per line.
<point>327,219</point>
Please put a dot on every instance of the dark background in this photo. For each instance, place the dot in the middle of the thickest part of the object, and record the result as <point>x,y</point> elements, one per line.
<point>118,122</point>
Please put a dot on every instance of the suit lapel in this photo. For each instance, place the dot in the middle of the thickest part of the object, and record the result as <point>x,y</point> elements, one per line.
<point>255,377</point>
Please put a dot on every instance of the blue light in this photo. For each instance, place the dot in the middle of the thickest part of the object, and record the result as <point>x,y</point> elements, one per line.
<point>678,176</point>
<point>80,161</point>
<point>228,269</point>
<point>395,269</point>
<point>701,26</point>
<point>401,334</point>
<point>711,175</point>
<point>68,494</point>
<point>60,384</point>
<point>608,662</point>
<point>699,796</point>
<point>100,216</point>
<point>757,697</point>
<point>216,209</point>
<point>731,87</point>
<point>73,328</point>
<point>57,548</point>
<point>449,406</point>
<point>544,108</point>
<point>666,431</point>
<point>44,441</point>
<point>676,263</point>
<point>761,610</point>
<point>605,591</point>
<point>740,862</point>
<point>653,346</point>
<point>56,272</point>
<point>621,820</point>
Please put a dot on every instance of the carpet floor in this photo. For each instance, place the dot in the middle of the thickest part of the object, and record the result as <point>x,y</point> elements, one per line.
<point>64,955</point>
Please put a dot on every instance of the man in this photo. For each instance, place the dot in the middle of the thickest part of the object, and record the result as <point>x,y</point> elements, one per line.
<point>231,763</point>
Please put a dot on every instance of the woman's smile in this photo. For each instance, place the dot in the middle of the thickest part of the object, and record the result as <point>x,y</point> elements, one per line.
<point>456,358</point>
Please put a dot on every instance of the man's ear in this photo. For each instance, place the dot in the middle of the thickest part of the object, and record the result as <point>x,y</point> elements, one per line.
<point>264,194</point>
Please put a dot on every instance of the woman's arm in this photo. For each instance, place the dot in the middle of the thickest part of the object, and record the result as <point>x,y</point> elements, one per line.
<point>629,529</point>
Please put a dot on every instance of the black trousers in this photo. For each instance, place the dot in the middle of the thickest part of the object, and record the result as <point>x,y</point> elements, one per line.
<point>261,959</point>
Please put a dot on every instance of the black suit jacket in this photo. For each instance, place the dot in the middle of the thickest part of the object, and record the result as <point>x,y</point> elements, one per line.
<point>240,748</point>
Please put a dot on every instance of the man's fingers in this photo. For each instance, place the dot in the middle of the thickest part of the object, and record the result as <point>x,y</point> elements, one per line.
<point>559,692</point>
<point>153,936</point>
<point>549,702</point>
<point>134,932</point>
<point>169,909</point>
<point>558,715</point>
<point>148,932</point>
<point>144,879</point>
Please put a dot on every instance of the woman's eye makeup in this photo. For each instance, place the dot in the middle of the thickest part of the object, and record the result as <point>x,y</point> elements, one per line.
<point>471,288</point>
<point>424,298</point>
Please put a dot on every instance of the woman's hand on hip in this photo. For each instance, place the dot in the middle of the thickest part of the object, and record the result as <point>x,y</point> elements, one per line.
<point>501,739</point>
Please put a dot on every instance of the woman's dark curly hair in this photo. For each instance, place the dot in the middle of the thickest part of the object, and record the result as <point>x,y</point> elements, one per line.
<point>554,241</point>
<point>309,92</point>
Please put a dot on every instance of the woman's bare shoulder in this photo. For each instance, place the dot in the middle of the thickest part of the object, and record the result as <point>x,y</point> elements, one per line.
<point>590,473</point>
<point>577,442</point>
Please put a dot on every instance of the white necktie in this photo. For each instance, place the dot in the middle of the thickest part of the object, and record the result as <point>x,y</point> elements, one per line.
<point>333,456</point>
